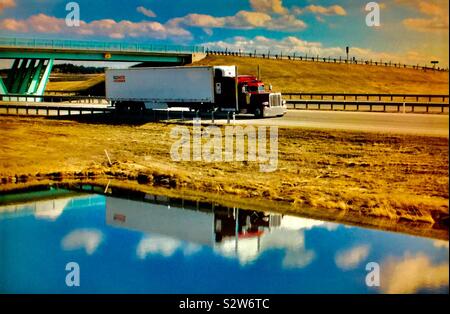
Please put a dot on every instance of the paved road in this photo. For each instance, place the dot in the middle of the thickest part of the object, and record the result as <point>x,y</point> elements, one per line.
<point>409,123</point>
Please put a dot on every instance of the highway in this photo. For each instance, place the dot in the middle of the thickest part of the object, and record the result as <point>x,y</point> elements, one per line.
<point>410,123</point>
<point>392,123</point>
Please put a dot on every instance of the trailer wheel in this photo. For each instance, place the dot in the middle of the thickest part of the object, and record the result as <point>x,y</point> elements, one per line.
<point>137,107</point>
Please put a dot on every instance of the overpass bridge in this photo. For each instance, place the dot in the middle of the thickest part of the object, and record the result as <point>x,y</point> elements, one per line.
<point>34,58</point>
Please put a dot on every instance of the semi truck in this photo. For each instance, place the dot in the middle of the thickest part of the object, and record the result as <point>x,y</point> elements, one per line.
<point>202,88</point>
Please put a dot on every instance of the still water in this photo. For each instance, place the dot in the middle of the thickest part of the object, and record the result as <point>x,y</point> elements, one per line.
<point>153,244</point>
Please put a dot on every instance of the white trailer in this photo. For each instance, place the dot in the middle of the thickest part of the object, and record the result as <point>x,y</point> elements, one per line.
<point>188,225</point>
<point>160,87</point>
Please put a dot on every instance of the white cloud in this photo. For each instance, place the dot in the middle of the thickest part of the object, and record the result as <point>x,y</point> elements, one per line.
<point>412,273</point>
<point>248,250</point>
<point>145,11</point>
<point>440,244</point>
<point>42,23</point>
<point>287,23</point>
<point>331,10</point>
<point>268,6</point>
<point>241,20</point>
<point>4,4</point>
<point>435,15</point>
<point>289,237</point>
<point>266,14</point>
<point>51,209</point>
<point>165,246</point>
<point>198,20</point>
<point>298,223</point>
<point>427,25</point>
<point>292,44</point>
<point>87,239</point>
<point>289,44</point>
<point>351,258</point>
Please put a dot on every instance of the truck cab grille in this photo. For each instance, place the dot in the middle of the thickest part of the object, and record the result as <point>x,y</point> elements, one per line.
<point>275,100</point>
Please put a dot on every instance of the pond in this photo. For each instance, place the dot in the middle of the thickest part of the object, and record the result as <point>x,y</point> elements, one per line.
<point>155,244</point>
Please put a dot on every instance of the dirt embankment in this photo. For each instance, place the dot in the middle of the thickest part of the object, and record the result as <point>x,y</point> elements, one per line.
<point>344,176</point>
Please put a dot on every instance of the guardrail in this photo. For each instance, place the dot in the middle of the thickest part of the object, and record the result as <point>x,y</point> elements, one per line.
<point>379,106</point>
<point>14,101</point>
<point>316,58</point>
<point>53,98</point>
<point>27,109</point>
<point>367,96</point>
<point>62,92</point>
<point>95,45</point>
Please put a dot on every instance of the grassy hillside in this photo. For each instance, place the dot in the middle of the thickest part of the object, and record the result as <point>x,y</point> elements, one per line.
<point>296,76</point>
<point>301,76</point>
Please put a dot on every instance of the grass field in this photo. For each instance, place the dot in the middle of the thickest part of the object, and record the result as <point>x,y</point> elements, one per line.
<point>345,176</point>
<point>75,83</point>
<point>301,76</point>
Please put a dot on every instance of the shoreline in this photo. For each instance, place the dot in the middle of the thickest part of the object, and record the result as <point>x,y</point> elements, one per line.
<point>404,226</point>
<point>365,178</point>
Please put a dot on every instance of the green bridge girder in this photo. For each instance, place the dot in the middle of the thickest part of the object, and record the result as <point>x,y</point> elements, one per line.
<point>27,77</point>
<point>3,89</point>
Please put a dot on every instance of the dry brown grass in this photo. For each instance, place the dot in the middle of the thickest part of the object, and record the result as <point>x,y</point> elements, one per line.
<point>71,85</point>
<point>301,76</point>
<point>338,175</point>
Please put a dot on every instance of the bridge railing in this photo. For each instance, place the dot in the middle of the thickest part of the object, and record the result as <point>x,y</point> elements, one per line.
<point>95,45</point>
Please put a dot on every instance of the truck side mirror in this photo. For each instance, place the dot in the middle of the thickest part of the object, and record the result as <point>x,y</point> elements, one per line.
<point>270,87</point>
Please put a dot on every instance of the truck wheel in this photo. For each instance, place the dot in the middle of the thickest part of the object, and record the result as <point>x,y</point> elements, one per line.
<point>258,113</point>
<point>120,107</point>
<point>139,107</point>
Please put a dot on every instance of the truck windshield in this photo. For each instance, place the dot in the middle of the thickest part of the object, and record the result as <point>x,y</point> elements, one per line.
<point>259,88</point>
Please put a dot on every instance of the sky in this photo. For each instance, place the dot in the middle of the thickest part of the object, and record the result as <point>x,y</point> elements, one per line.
<point>410,31</point>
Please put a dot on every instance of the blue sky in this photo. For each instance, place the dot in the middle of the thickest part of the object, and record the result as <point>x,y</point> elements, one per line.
<point>411,31</point>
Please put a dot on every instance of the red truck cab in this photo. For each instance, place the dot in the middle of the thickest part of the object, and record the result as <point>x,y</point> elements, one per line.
<point>251,84</point>
<point>254,99</point>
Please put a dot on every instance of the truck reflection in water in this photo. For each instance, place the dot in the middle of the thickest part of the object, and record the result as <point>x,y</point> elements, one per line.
<point>231,231</point>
